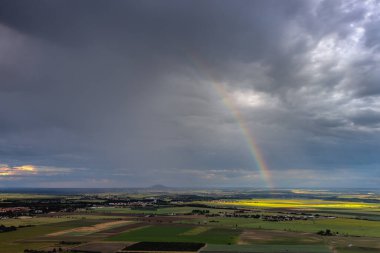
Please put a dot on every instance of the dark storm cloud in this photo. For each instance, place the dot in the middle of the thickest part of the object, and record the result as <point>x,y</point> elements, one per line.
<point>366,117</point>
<point>112,92</point>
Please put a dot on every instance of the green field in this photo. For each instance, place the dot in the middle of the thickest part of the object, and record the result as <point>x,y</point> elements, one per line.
<point>25,221</point>
<point>358,250</point>
<point>34,221</point>
<point>343,226</point>
<point>172,233</point>
<point>268,248</point>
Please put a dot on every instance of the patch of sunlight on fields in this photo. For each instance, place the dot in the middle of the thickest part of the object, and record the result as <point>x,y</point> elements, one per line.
<point>90,229</point>
<point>196,231</point>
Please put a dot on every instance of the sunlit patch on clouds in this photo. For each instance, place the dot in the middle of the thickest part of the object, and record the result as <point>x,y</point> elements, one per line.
<point>250,98</point>
<point>28,170</point>
<point>6,170</point>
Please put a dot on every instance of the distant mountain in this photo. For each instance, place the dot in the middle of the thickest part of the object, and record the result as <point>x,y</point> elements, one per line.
<point>159,187</point>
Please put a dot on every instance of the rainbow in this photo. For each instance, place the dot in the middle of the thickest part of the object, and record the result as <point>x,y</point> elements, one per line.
<point>231,106</point>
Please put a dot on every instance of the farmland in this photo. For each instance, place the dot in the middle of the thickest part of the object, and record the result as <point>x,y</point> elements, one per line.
<point>344,226</point>
<point>301,204</point>
<point>176,233</point>
<point>268,248</point>
<point>228,221</point>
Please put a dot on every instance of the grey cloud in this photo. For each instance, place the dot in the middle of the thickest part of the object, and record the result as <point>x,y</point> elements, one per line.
<point>115,87</point>
<point>367,118</point>
<point>372,36</point>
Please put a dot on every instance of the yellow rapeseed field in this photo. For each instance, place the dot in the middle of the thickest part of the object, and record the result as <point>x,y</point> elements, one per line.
<point>298,204</point>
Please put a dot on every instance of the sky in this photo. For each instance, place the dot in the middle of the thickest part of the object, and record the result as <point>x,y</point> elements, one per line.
<point>195,93</point>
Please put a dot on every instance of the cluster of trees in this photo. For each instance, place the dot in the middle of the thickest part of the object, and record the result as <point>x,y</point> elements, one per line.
<point>43,251</point>
<point>253,216</point>
<point>202,212</point>
<point>7,229</point>
<point>69,243</point>
<point>326,232</point>
<point>12,228</point>
<point>164,246</point>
